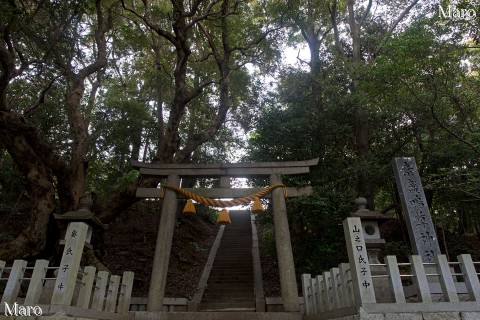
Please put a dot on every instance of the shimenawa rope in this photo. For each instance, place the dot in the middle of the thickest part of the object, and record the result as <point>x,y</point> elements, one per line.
<point>226,203</point>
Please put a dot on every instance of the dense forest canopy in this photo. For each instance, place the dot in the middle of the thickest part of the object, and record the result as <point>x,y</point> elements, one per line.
<point>87,86</point>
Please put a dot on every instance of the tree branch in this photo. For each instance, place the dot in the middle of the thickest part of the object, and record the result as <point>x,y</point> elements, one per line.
<point>14,123</point>
<point>394,25</point>
<point>41,98</point>
<point>453,134</point>
<point>167,35</point>
<point>365,14</point>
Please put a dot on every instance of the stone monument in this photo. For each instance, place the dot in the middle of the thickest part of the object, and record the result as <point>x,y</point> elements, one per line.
<point>420,227</point>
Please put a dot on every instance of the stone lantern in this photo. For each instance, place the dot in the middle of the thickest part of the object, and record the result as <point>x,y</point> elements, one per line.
<point>371,221</point>
<point>83,214</point>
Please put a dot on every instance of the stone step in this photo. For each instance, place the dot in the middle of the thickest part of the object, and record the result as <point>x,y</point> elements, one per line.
<point>233,264</point>
<point>232,268</point>
<point>230,285</point>
<point>240,226</point>
<point>231,277</point>
<point>234,244</point>
<point>235,241</point>
<point>239,303</point>
<point>231,298</point>
<point>234,259</point>
<point>232,314</point>
<point>225,268</point>
<point>218,276</point>
<point>228,281</point>
<point>227,291</point>
<point>243,261</point>
<point>240,287</point>
<point>232,306</point>
<point>229,295</point>
<point>237,237</point>
<point>231,272</point>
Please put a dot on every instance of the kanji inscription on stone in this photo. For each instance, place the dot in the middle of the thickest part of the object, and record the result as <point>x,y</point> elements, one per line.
<point>70,264</point>
<point>419,222</point>
<point>357,255</point>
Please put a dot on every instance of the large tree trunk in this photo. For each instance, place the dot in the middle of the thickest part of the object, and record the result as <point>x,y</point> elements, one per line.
<point>76,184</point>
<point>41,192</point>
<point>362,127</point>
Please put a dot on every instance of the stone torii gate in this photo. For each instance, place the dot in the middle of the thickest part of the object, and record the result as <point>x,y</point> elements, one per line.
<point>174,172</point>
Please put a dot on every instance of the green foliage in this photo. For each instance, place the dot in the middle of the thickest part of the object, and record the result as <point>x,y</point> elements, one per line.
<point>316,227</point>
<point>420,91</point>
<point>127,179</point>
<point>399,249</point>
<point>425,91</point>
<point>268,240</point>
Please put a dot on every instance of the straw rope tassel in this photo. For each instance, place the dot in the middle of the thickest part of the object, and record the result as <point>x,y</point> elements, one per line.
<point>189,209</point>
<point>257,206</point>
<point>224,217</point>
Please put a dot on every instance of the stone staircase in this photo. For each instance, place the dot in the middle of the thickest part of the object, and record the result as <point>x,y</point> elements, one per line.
<point>230,286</point>
<point>219,315</point>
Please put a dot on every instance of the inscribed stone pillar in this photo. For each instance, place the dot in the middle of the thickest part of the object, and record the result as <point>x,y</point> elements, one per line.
<point>358,258</point>
<point>420,227</point>
<point>163,247</point>
<point>286,267</point>
<point>75,237</point>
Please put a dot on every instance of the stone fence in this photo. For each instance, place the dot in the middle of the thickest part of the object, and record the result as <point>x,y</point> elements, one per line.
<point>67,288</point>
<point>97,291</point>
<point>393,287</point>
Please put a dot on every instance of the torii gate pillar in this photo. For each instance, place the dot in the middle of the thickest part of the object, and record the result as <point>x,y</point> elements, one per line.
<point>286,266</point>
<point>163,247</point>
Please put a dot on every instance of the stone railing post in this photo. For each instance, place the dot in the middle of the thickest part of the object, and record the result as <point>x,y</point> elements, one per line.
<point>470,276</point>
<point>12,287</point>
<point>125,292</point>
<point>420,278</point>
<point>446,279</point>
<point>307,293</point>
<point>395,280</point>
<point>36,282</point>
<point>346,293</point>
<point>85,291</point>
